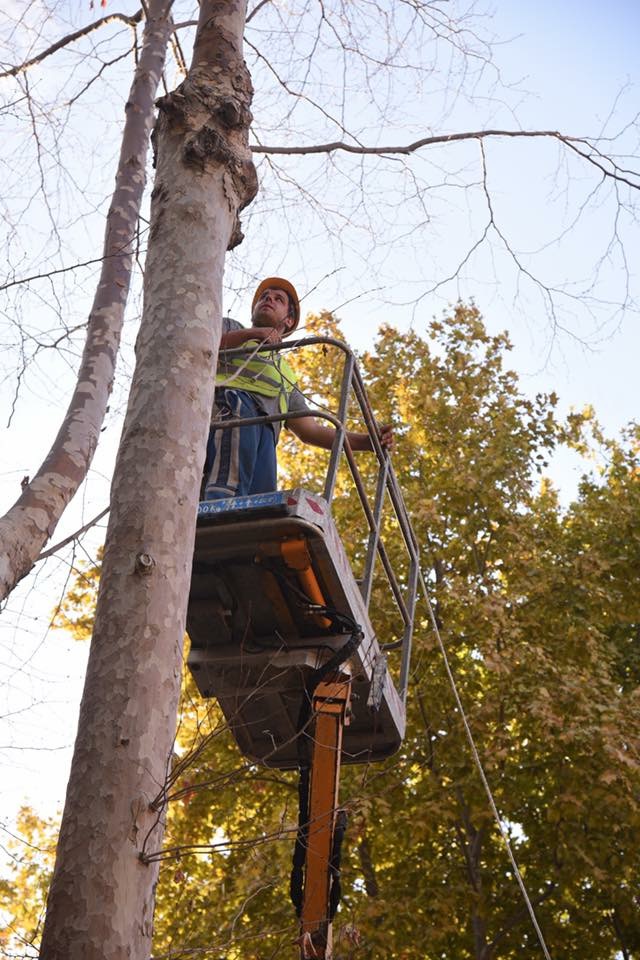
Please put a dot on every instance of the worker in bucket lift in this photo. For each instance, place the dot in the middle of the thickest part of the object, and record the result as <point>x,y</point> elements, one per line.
<point>242,460</point>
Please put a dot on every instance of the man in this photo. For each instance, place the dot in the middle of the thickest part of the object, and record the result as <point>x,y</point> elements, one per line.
<point>242,460</point>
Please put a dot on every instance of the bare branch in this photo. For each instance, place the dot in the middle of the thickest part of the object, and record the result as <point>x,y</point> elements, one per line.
<point>293,93</point>
<point>587,149</point>
<point>71,38</point>
<point>73,536</point>
<point>256,9</point>
<point>53,273</point>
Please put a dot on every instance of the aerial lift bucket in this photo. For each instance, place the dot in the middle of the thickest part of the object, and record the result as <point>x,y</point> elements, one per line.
<point>266,570</point>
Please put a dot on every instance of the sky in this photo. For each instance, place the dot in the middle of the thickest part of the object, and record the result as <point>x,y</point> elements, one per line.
<point>565,64</point>
<point>572,59</point>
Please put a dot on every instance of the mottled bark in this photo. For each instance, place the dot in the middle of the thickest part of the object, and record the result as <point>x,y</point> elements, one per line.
<point>31,521</point>
<point>101,899</point>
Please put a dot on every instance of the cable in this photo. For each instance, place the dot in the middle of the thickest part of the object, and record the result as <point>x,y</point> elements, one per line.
<point>478,763</point>
<point>335,886</point>
<point>469,735</point>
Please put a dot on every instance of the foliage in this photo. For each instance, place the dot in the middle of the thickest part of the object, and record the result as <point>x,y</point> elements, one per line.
<point>539,613</point>
<point>75,613</point>
<point>23,887</point>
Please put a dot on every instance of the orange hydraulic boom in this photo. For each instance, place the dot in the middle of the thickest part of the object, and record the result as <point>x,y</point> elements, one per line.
<point>320,836</point>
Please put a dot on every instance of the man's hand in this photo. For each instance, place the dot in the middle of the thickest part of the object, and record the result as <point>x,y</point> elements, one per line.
<point>362,441</point>
<point>266,334</point>
<point>385,435</point>
<point>238,338</point>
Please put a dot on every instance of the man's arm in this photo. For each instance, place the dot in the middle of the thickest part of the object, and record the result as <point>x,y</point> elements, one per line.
<point>309,430</point>
<point>236,338</point>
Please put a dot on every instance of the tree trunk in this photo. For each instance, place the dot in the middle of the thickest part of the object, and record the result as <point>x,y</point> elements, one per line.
<point>101,899</point>
<point>30,522</point>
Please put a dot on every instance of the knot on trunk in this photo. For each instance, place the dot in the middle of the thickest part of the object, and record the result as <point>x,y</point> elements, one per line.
<point>144,564</point>
<point>174,106</point>
<point>208,144</point>
<point>232,113</point>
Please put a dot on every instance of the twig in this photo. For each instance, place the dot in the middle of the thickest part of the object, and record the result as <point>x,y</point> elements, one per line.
<point>70,38</point>
<point>73,536</point>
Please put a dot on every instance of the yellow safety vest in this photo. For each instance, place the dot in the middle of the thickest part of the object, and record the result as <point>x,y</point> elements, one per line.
<point>267,374</point>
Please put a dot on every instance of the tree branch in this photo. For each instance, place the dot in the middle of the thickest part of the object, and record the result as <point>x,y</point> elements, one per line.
<point>73,266</point>
<point>580,145</point>
<point>73,536</point>
<point>256,9</point>
<point>516,918</point>
<point>71,38</point>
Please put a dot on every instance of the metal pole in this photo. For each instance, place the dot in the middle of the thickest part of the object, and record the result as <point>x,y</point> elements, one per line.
<point>374,535</point>
<point>338,443</point>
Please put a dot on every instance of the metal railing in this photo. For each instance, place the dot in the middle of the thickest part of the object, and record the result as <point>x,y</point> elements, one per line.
<point>352,385</point>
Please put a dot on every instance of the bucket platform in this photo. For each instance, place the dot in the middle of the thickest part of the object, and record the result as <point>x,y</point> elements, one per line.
<point>265,567</point>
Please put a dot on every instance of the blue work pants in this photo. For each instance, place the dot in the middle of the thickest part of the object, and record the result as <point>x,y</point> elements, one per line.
<point>242,460</point>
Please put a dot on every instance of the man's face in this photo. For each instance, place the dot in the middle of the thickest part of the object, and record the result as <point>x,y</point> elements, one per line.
<point>272,310</point>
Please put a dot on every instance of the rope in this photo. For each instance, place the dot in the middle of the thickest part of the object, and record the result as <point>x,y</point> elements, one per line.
<point>478,763</point>
<point>469,735</point>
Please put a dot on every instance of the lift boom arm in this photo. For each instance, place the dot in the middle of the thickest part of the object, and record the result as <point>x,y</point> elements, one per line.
<point>330,715</point>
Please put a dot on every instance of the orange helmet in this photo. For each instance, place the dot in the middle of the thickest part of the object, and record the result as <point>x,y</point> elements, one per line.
<point>278,283</point>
